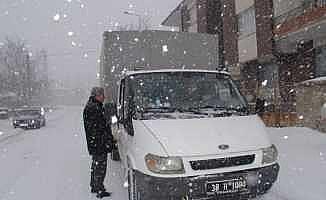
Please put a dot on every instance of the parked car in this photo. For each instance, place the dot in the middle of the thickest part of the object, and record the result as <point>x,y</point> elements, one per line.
<point>4,113</point>
<point>29,118</point>
<point>187,134</point>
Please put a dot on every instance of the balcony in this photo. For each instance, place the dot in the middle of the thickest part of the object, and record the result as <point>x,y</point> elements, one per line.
<point>303,23</point>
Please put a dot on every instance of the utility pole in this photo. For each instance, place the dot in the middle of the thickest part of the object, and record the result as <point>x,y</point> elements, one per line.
<point>44,64</point>
<point>44,76</point>
<point>28,85</point>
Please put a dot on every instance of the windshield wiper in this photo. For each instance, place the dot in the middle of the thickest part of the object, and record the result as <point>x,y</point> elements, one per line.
<point>158,110</point>
<point>221,110</point>
<point>243,110</point>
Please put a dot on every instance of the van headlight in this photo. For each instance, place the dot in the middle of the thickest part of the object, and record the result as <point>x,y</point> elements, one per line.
<point>164,165</point>
<point>270,155</point>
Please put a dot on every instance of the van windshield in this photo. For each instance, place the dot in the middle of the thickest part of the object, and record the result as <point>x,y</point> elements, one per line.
<point>184,91</point>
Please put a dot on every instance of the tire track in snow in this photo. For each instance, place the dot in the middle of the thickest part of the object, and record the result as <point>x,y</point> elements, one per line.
<point>19,155</point>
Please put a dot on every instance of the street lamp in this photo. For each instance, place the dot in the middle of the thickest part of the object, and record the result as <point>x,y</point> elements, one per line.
<point>134,14</point>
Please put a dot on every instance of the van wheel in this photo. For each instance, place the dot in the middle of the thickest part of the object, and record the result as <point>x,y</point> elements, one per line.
<point>132,188</point>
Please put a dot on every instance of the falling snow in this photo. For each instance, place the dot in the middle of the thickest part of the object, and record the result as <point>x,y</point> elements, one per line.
<point>56,17</point>
<point>73,44</point>
<point>70,33</point>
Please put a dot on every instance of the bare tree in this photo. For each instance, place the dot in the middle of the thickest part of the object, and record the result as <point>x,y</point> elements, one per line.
<point>13,59</point>
<point>24,75</point>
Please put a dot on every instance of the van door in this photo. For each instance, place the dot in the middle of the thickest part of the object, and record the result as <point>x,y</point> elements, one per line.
<point>121,136</point>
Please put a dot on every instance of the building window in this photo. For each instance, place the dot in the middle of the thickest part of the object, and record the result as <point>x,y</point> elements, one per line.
<point>321,62</point>
<point>247,22</point>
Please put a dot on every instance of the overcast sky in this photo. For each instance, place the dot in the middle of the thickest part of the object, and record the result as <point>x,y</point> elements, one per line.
<point>71,30</point>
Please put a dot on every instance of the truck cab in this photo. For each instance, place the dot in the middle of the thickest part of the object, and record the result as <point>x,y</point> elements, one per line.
<point>188,134</point>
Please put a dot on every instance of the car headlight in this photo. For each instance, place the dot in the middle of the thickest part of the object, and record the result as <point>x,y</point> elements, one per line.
<point>164,165</point>
<point>270,155</point>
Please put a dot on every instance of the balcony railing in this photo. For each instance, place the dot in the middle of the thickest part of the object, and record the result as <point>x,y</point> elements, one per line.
<point>306,5</point>
<point>321,3</point>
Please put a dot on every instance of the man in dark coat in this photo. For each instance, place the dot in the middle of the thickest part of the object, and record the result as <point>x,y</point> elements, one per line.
<point>99,140</point>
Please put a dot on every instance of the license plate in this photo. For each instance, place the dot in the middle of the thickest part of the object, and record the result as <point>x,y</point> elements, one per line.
<point>23,125</point>
<point>226,187</point>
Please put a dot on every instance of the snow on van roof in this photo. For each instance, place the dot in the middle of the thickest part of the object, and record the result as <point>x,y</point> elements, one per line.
<point>129,73</point>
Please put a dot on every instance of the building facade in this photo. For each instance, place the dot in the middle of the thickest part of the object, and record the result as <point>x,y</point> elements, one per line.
<point>269,46</point>
<point>199,16</point>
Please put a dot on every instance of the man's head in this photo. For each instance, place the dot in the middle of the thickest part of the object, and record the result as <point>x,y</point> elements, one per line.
<point>98,93</point>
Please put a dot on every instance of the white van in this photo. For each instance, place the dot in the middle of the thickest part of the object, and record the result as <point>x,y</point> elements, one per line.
<point>188,134</point>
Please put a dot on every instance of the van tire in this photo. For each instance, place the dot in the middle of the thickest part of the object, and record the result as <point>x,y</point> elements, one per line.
<point>132,188</point>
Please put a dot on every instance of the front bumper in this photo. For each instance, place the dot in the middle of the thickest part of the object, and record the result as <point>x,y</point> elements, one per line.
<point>259,182</point>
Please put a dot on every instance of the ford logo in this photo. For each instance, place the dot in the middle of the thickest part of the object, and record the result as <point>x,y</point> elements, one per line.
<point>224,147</point>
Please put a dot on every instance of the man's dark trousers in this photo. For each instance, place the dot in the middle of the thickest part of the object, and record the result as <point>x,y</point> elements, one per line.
<point>98,172</point>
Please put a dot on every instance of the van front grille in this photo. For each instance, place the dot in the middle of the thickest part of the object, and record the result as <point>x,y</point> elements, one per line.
<point>222,162</point>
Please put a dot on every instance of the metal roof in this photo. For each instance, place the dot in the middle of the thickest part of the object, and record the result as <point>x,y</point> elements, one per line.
<point>174,18</point>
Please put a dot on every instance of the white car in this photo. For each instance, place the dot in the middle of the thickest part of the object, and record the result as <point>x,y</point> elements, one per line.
<point>188,134</point>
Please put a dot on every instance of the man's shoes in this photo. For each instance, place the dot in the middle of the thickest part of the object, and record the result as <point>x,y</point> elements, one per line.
<point>102,194</point>
<point>94,190</point>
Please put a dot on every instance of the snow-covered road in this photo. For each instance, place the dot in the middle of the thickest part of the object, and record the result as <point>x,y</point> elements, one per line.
<point>52,163</point>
